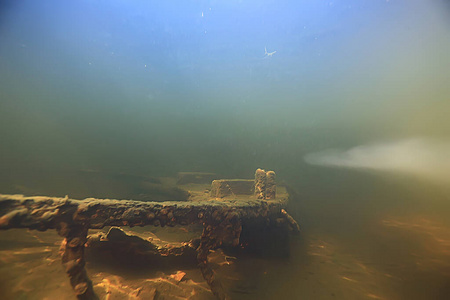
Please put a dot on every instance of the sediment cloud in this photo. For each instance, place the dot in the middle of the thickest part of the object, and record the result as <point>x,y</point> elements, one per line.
<point>428,158</point>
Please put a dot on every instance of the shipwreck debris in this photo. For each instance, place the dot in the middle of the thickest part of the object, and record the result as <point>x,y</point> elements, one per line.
<point>265,186</point>
<point>73,260</point>
<point>234,205</point>
<point>230,187</point>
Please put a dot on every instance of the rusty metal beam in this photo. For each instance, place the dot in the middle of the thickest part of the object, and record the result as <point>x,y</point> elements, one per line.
<point>222,225</point>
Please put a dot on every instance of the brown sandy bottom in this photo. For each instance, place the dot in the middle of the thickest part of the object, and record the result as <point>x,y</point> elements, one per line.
<point>405,257</point>
<point>398,257</point>
<point>31,268</point>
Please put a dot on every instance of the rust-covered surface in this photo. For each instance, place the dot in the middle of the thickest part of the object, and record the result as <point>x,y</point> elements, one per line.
<point>42,213</point>
<point>222,219</point>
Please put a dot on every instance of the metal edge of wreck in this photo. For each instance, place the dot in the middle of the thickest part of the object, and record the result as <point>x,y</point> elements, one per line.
<point>221,219</point>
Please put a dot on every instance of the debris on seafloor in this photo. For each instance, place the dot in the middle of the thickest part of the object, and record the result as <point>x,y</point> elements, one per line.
<point>178,276</point>
<point>228,214</point>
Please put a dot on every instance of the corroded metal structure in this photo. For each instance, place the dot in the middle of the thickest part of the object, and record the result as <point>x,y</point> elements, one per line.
<point>222,220</point>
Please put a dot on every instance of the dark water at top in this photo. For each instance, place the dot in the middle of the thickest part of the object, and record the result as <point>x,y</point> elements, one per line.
<point>347,101</point>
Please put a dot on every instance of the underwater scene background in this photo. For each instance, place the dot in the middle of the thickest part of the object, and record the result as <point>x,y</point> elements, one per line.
<point>347,101</point>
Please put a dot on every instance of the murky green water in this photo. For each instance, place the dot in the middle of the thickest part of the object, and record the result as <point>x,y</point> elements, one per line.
<point>347,101</point>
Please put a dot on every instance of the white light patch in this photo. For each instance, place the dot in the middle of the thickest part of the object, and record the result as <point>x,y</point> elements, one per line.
<point>426,158</point>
